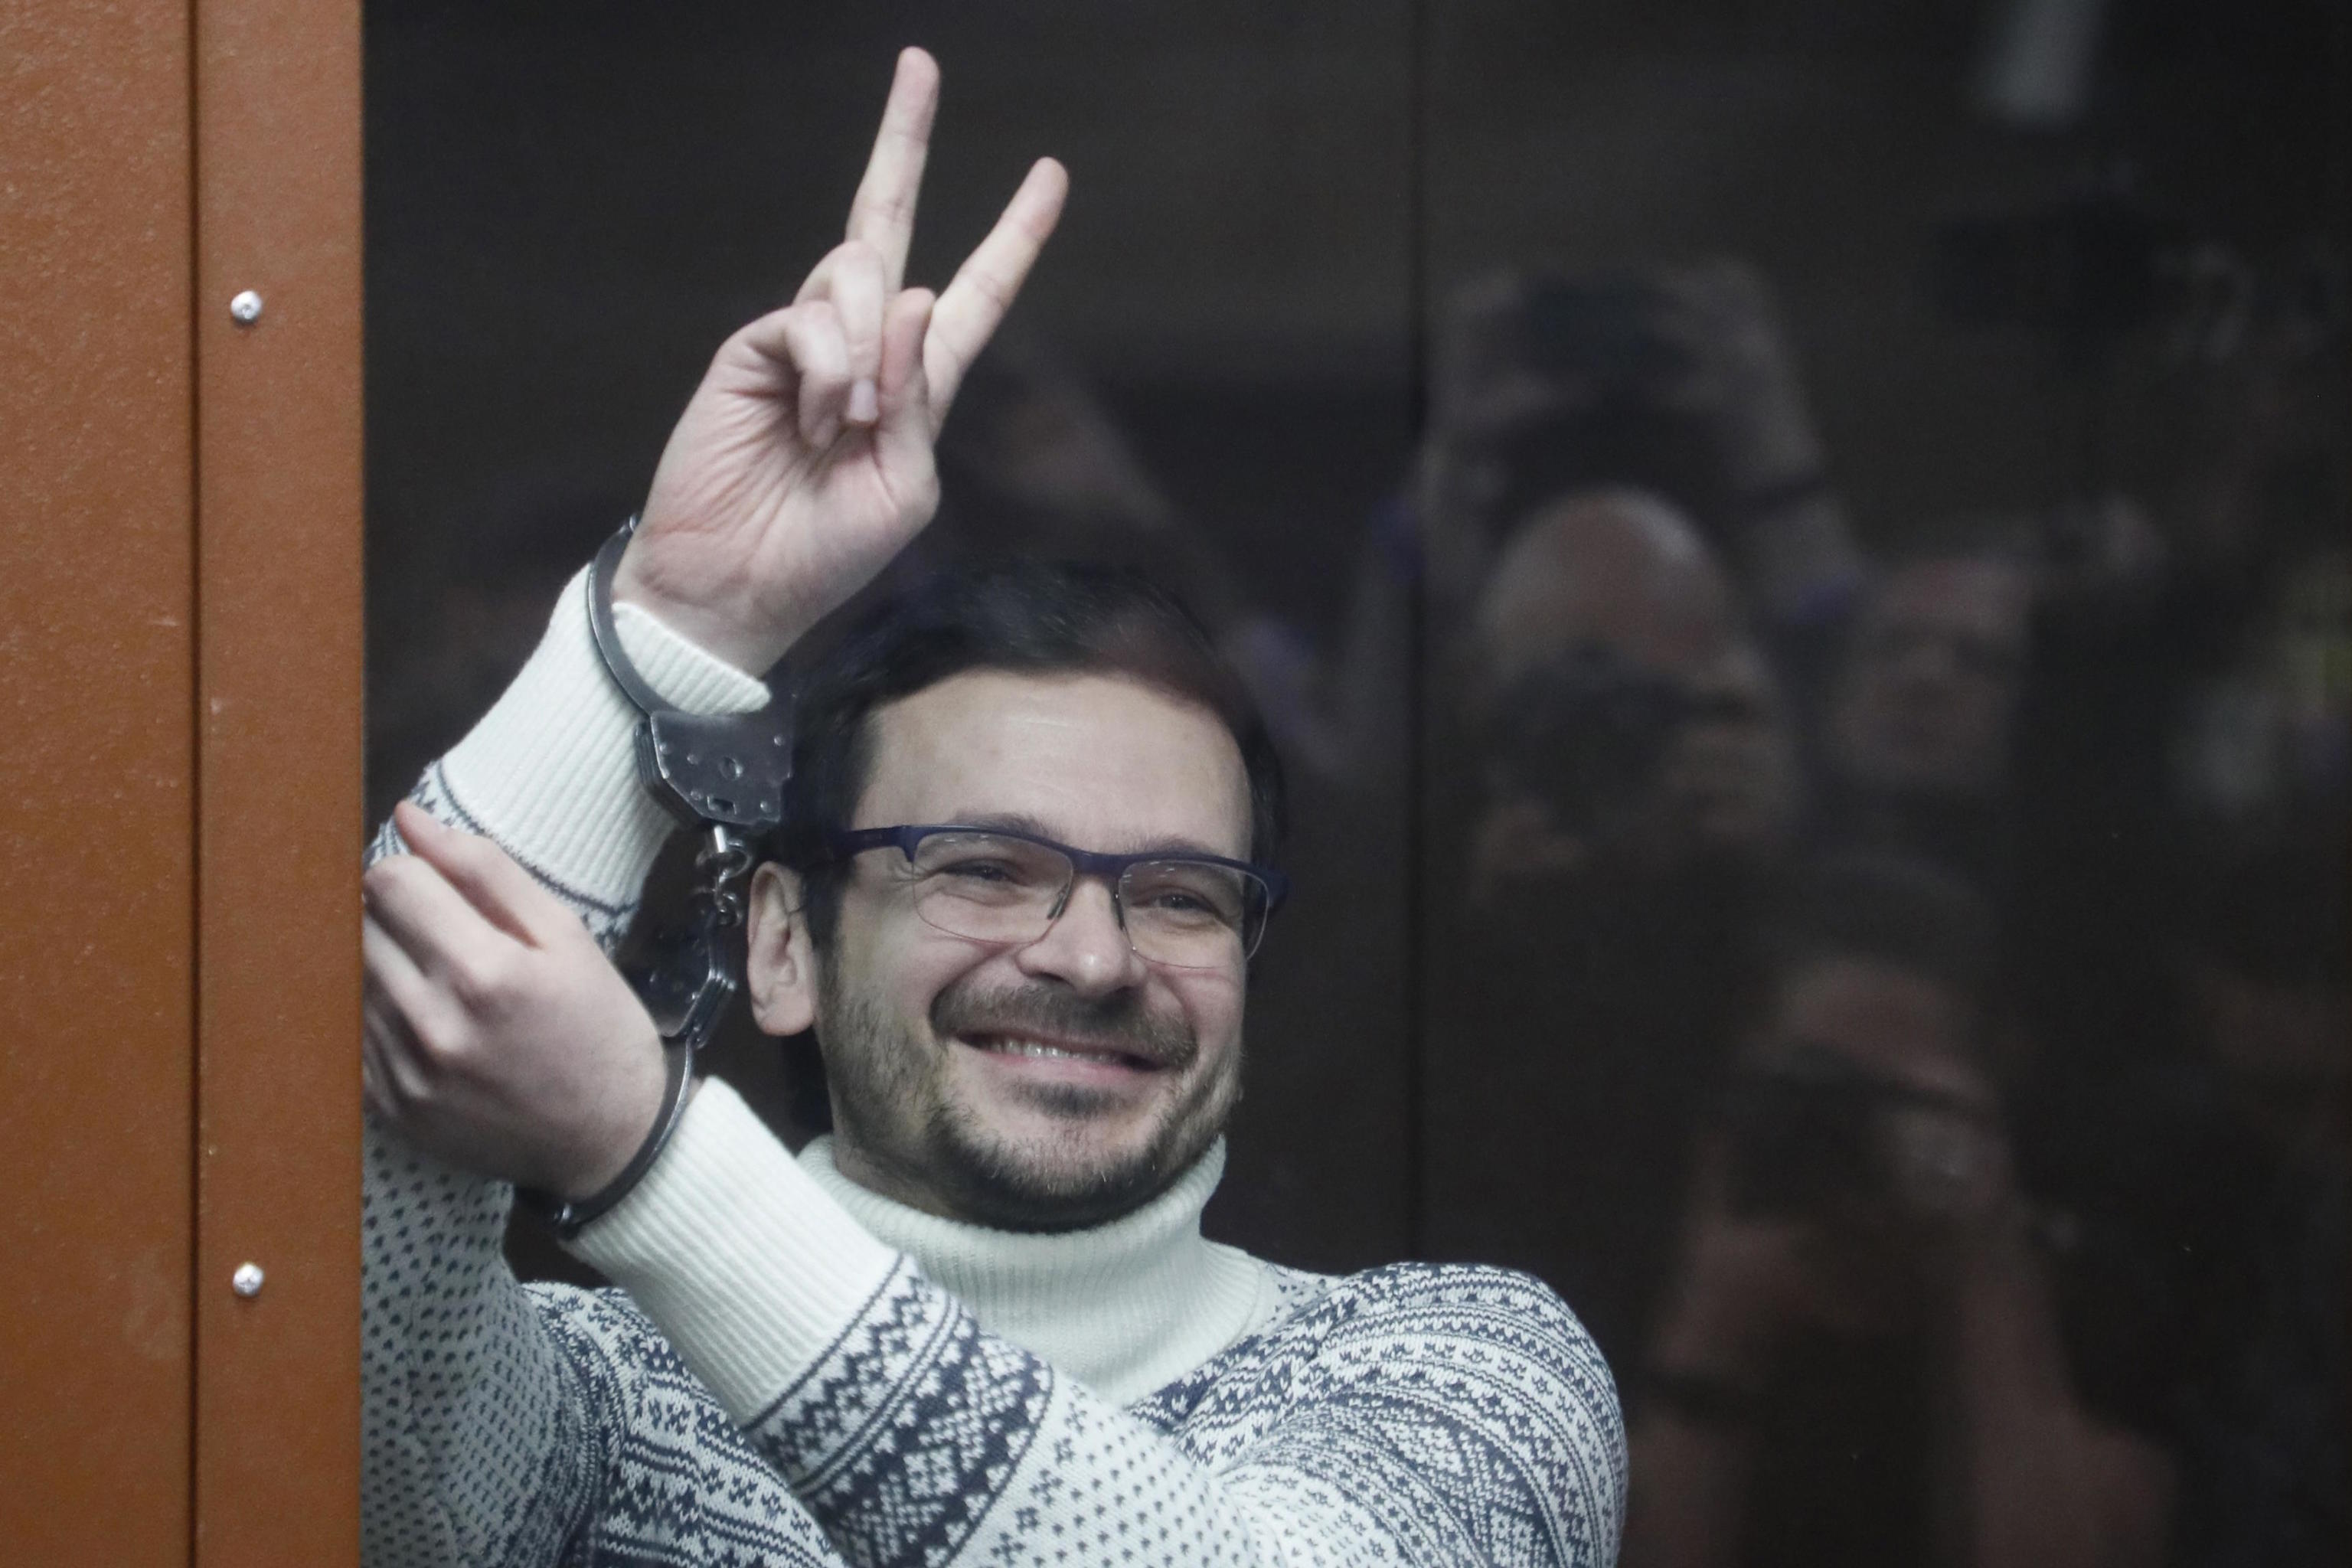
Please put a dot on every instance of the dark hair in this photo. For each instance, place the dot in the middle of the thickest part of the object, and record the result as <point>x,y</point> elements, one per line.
<point>1025,617</point>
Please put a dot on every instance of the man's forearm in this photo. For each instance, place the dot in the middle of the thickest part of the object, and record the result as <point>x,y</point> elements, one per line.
<point>467,1414</point>
<point>464,1401</point>
<point>471,1412</point>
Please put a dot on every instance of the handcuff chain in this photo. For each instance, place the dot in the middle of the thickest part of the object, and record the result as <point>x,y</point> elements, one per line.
<point>720,866</point>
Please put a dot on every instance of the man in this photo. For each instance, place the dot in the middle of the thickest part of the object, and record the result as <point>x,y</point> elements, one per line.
<point>1893,1337</point>
<point>978,1324</point>
<point>1919,725</point>
<point>1637,790</point>
<point>1634,729</point>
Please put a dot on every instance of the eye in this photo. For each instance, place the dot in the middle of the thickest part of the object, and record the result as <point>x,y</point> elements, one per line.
<point>1189,894</point>
<point>981,866</point>
<point>978,869</point>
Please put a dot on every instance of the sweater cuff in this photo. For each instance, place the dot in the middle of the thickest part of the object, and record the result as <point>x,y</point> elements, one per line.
<point>748,1265</point>
<point>550,771</point>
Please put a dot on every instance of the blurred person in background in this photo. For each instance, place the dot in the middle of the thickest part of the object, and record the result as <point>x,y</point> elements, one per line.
<point>2189,695</point>
<point>1679,380</point>
<point>1882,1343</point>
<point>1634,729</point>
<point>2176,894</point>
<point>1919,742</point>
<point>1626,788</point>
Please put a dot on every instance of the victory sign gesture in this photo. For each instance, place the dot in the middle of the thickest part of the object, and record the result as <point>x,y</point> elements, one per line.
<point>804,461</point>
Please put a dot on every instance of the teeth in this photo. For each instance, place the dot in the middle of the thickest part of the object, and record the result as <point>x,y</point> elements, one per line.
<point>1040,1049</point>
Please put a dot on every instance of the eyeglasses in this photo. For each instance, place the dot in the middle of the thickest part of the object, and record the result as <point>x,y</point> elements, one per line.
<point>995,885</point>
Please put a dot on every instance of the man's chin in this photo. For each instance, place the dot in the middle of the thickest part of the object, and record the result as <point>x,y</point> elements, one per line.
<point>1054,1173</point>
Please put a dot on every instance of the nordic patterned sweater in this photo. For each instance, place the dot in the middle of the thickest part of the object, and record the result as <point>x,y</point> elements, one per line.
<point>796,1371</point>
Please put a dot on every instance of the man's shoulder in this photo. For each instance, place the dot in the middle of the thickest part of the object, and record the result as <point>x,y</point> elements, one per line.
<point>1411,1322</point>
<point>1474,1296</point>
<point>1462,1400</point>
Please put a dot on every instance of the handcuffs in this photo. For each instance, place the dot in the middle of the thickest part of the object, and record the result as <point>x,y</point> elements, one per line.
<point>722,775</point>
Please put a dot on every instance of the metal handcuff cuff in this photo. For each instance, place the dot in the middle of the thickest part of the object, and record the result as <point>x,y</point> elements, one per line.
<point>724,775</point>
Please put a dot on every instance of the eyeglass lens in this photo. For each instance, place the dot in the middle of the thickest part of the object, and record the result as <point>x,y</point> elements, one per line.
<point>1189,914</point>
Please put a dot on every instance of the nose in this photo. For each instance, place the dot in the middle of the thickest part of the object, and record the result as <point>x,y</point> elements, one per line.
<point>1085,948</point>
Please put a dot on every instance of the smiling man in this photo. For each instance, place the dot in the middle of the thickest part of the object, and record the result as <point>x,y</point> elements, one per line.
<point>1023,873</point>
<point>1033,1050</point>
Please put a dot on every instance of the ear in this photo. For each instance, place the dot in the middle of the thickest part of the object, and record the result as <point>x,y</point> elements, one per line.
<point>780,964</point>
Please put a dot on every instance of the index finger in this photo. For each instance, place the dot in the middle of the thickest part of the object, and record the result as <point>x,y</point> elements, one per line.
<point>500,892</point>
<point>433,924</point>
<point>882,212</point>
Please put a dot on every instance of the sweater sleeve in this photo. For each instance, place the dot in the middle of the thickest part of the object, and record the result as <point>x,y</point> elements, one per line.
<point>479,1444</point>
<point>1410,1416</point>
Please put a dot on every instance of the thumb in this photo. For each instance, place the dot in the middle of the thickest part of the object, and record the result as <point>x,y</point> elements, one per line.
<point>902,427</point>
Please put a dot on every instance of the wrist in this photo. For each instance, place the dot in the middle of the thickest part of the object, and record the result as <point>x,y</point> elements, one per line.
<point>715,635</point>
<point>570,1205</point>
<point>654,1093</point>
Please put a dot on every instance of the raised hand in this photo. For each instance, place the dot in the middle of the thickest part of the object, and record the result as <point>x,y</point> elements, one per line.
<point>804,461</point>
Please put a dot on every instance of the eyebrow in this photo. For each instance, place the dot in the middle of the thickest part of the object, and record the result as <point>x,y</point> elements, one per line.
<point>1021,822</point>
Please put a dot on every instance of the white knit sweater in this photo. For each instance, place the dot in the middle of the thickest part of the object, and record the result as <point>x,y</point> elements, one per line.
<point>799,1371</point>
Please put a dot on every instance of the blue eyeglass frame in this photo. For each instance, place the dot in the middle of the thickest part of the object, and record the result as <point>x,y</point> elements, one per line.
<point>1111,869</point>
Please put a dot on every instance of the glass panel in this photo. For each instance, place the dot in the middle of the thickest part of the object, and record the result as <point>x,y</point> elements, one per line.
<point>1887,655</point>
<point>1795,553</point>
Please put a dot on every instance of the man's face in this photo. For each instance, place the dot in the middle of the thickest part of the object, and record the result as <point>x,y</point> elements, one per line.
<point>1932,681</point>
<point>1064,1081</point>
<point>1622,576</point>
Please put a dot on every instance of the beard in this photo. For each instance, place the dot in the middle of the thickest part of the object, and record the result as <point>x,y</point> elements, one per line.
<point>893,1102</point>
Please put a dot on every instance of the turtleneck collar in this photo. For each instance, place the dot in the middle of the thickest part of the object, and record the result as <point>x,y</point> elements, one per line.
<point>1126,1307</point>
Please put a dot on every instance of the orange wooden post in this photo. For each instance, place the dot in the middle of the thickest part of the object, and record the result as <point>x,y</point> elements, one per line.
<point>278,764</point>
<point>179,781</point>
<point>96,774</point>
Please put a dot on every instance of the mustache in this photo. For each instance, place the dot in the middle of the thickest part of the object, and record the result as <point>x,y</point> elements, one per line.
<point>1116,1022</point>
